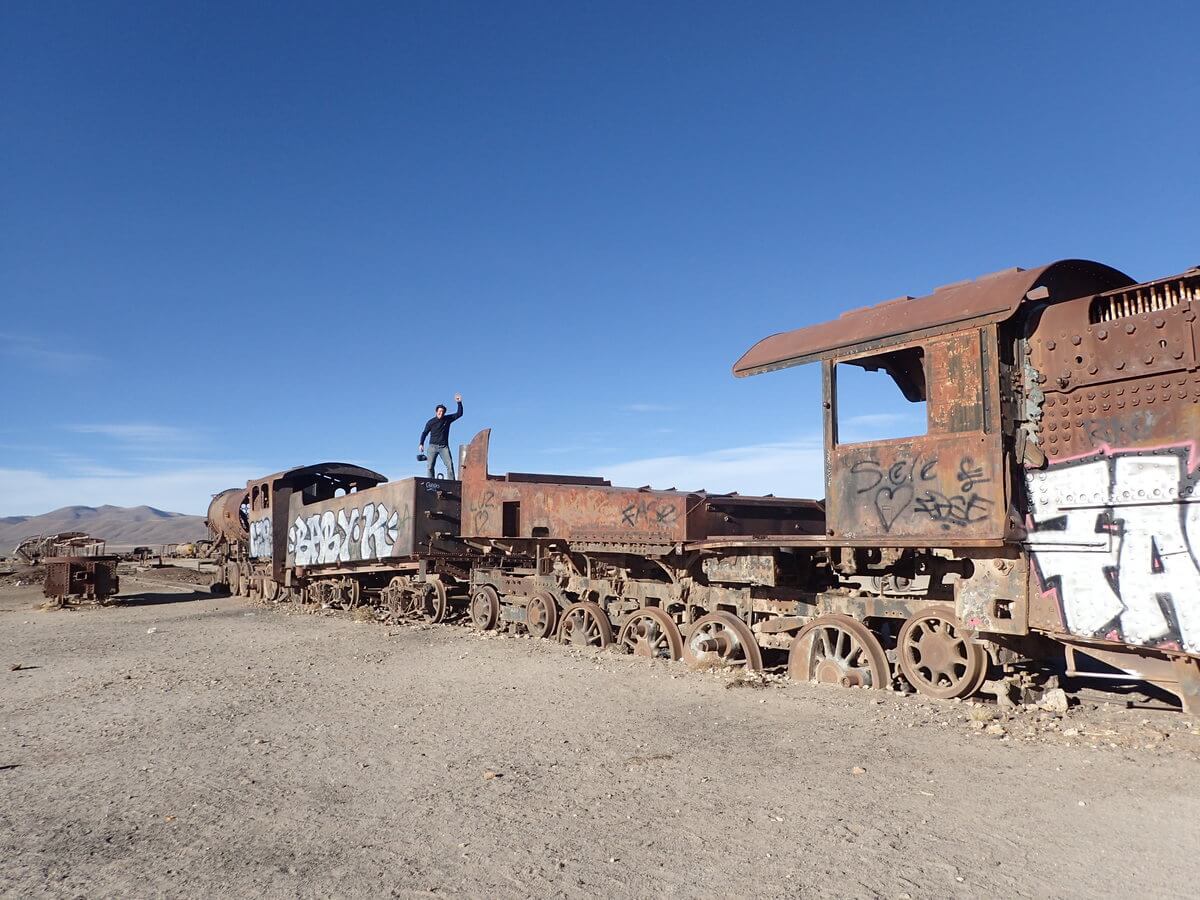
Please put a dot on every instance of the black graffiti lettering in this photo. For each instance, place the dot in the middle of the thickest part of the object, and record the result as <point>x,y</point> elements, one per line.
<point>642,510</point>
<point>870,468</point>
<point>481,510</point>
<point>969,475</point>
<point>958,509</point>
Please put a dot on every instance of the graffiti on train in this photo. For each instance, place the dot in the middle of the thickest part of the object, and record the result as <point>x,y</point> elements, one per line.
<point>370,532</point>
<point>261,538</point>
<point>906,485</point>
<point>1118,538</point>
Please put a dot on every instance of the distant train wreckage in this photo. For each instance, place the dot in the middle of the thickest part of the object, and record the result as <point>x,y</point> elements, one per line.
<point>1042,521</point>
<point>77,567</point>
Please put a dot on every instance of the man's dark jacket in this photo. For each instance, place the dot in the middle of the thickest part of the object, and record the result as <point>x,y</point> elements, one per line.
<point>439,429</point>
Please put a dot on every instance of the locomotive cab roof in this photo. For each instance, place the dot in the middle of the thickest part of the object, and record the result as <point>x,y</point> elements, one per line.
<point>991,298</point>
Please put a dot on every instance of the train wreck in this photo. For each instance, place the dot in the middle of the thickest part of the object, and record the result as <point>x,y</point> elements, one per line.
<point>1042,518</point>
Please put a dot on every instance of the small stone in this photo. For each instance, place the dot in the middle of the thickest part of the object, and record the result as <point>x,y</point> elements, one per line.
<point>996,728</point>
<point>858,770</point>
<point>490,774</point>
<point>151,630</point>
<point>1055,700</point>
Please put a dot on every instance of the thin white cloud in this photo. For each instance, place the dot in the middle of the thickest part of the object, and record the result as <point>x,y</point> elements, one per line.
<point>786,469</point>
<point>25,492</point>
<point>34,352</point>
<point>139,433</point>
<point>648,408</point>
<point>875,419</point>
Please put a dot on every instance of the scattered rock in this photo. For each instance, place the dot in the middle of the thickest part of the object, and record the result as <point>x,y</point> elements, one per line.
<point>491,774</point>
<point>1055,700</point>
<point>151,630</point>
<point>858,770</point>
<point>996,728</point>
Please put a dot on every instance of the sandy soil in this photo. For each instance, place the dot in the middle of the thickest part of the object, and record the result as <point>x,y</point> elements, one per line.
<point>191,745</point>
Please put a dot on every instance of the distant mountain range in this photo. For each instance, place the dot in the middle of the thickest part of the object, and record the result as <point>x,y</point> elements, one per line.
<point>122,526</point>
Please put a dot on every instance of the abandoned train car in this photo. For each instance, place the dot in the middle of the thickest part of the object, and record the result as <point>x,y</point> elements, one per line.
<point>1042,512</point>
<point>1050,497</point>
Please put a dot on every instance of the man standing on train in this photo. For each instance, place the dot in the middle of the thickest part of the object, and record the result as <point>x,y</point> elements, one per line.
<point>438,430</point>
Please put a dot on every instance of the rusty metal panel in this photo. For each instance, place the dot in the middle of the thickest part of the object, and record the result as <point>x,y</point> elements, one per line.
<point>936,486</point>
<point>955,383</point>
<point>1114,517</point>
<point>391,520</point>
<point>743,568</point>
<point>523,506</point>
<point>991,298</point>
<point>992,598</point>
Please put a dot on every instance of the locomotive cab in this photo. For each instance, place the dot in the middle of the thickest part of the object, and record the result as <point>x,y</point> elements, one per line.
<point>954,350</point>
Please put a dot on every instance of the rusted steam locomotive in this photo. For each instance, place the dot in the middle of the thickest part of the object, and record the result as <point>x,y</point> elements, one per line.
<point>1045,514</point>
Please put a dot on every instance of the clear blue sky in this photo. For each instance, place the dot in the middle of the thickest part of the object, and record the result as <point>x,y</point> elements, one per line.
<point>239,237</point>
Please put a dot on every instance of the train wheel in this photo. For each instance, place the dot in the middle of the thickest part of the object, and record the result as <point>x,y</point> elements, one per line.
<point>936,657</point>
<point>270,589</point>
<point>393,596</point>
<point>435,605</point>
<point>837,649</point>
<point>722,639</point>
<point>651,633</point>
<point>585,624</point>
<point>351,593</point>
<point>541,615</point>
<point>485,607</point>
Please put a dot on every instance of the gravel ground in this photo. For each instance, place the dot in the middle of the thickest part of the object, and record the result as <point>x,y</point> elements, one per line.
<point>186,745</point>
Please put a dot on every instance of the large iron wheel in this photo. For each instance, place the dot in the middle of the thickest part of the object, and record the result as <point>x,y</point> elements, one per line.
<point>541,614</point>
<point>351,593</point>
<point>936,657</point>
<point>837,649</point>
<point>435,605</point>
<point>234,578</point>
<point>395,597</point>
<point>485,607</point>
<point>652,634</point>
<point>722,639</point>
<point>585,624</point>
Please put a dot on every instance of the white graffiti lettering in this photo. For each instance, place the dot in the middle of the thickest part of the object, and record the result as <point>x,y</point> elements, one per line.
<point>261,538</point>
<point>1119,535</point>
<point>349,534</point>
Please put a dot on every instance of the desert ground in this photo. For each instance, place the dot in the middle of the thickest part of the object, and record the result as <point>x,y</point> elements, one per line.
<point>182,744</point>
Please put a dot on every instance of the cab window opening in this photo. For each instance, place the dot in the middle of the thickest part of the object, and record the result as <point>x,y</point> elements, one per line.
<point>881,397</point>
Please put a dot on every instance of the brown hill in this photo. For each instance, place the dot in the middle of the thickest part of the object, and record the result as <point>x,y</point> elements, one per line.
<point>119,525</point>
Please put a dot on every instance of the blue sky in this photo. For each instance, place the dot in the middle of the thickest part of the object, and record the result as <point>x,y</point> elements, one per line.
<point>239,237</point>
